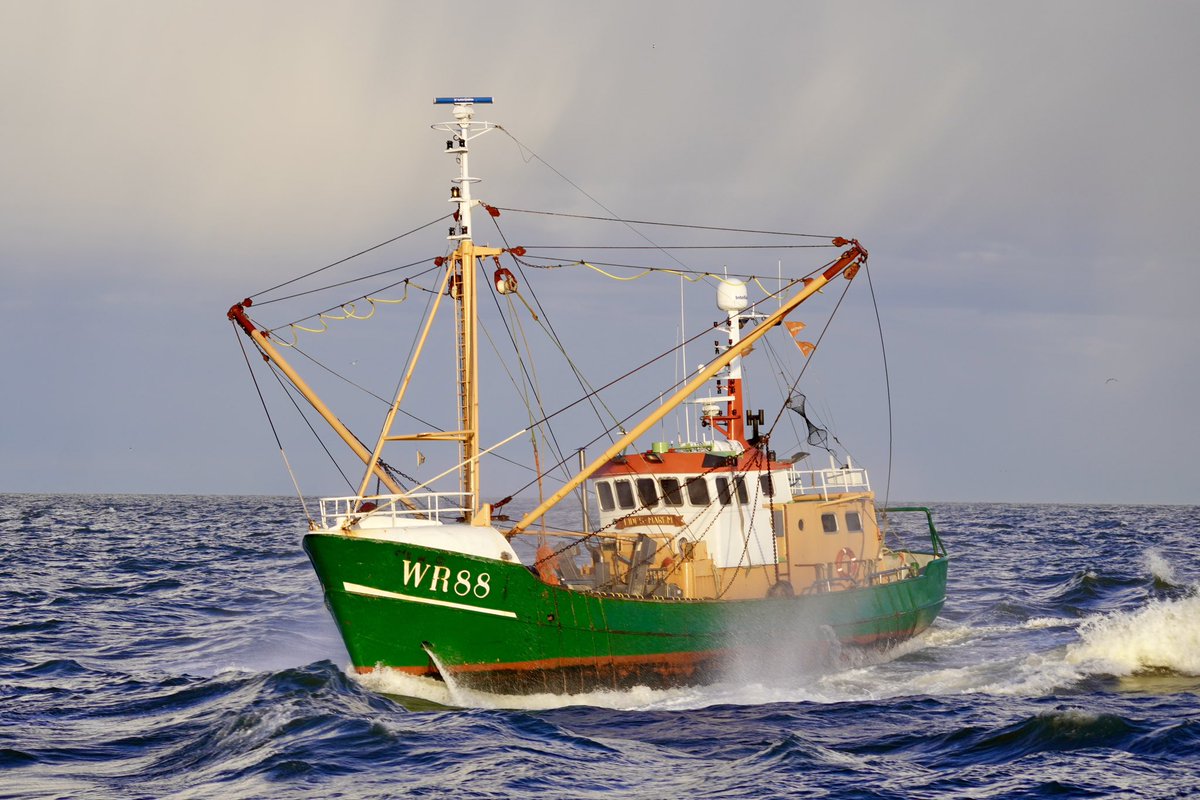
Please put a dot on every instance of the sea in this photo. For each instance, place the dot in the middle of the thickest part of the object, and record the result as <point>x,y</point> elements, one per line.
<point>178,647</point>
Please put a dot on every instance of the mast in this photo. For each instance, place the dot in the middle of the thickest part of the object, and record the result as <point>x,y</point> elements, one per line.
<point>464,290</point>
<point>732,299</point>
<point>461,284</point>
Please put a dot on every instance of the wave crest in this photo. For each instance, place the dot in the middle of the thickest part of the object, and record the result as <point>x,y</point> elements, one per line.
<point>1164,636</point>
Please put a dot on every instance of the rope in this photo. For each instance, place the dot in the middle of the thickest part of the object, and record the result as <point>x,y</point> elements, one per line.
<point>647,271</point>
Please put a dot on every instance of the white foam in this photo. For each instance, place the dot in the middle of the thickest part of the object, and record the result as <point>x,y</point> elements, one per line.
<point>1159,567</point>
<point>1163,636</point>
<point>395,682</point>
<point>860,676</point>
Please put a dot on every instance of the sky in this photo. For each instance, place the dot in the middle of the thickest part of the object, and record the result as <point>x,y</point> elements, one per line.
<point>1024,174</point>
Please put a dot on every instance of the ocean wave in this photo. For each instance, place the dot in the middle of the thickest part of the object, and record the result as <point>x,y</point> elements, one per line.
<point>1163,636</point>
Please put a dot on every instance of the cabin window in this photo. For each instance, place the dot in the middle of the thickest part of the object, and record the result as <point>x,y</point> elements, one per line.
<point>853,521</point>
<point>829,523</point>
<point>624,494</point>
<point>672,495</point>
<point>647,492</point>
<point>604,493</point>
<point>698,491</point>
<point>725,493</point>
<point>768,487</point>
<point>800,524</point>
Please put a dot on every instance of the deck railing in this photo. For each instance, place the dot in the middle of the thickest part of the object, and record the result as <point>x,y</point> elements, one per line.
<point>829,481</point>
<point>939,549</point>
<point>390,509</point>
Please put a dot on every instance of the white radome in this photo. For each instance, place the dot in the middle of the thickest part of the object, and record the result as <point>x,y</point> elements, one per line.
<point>731,295</point>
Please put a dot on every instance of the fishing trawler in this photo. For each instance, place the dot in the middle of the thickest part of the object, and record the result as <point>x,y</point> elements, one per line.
<point>691,555</point>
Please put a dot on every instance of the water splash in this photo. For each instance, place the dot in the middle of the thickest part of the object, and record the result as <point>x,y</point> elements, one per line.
<point>1159,567</point>
<point>1164,636</point>
<point>432,691</point>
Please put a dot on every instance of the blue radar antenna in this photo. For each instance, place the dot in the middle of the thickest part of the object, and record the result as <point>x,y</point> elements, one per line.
<point>445,101</point>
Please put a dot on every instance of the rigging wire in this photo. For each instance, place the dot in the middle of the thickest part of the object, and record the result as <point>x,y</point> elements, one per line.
<point>533,426</point>
<point>780,377</point>
<point>615,218</point>
<point>352,280</point>
<point>543,319</point>
<point>348,258</point>
<point>288,392</point>
<point>529,380</point>
<point>887,383</point>
<point>307,422</point>
<point>535,388</point>
<point>808,361</point>
<point>701,275</point>
<point>342,377</point>
<point>612,214</point>
<point>407,282</point>
<point>675,246</point>
<point>271,422</point>
<point>644,365</point>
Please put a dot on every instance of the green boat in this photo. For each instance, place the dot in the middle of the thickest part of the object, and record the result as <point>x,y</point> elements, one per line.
<point>693,560</point>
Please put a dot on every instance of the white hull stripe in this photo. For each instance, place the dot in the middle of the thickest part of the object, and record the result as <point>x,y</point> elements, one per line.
<point>369,591</point>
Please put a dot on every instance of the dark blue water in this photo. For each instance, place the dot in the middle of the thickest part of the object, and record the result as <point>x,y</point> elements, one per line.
<point>157,647</point>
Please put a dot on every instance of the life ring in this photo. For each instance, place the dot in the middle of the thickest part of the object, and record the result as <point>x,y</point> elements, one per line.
<point>845,564</point>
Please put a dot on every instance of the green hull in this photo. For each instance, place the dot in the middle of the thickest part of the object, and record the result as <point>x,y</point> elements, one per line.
<point>493,626</point>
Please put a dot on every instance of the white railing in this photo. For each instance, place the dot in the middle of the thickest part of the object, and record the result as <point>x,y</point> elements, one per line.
<point>829,481</point>
<point>389,510</point>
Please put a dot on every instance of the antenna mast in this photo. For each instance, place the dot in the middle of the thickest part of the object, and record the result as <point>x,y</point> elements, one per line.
<point>464,290</point>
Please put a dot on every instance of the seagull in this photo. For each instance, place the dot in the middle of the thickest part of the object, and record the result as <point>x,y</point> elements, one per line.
<point>1112,380</point>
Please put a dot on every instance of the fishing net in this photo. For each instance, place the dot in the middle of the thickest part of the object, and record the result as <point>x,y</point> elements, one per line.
<point>817,436</point>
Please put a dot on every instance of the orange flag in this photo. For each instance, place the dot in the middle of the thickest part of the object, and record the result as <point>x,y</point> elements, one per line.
<point>794,329</point>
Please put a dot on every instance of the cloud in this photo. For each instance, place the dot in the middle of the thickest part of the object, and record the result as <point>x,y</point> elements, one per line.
<point>1023,173</point>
